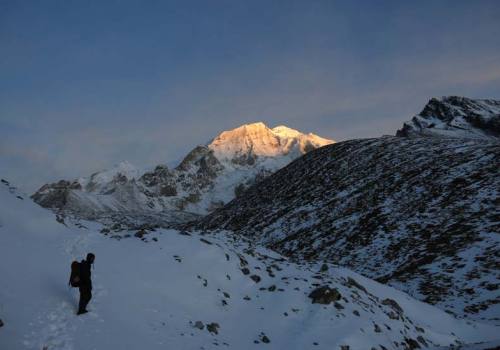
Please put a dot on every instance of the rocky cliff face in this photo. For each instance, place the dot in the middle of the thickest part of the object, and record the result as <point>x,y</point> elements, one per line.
<point>457,117</point>
<point>421,214</point>
<point>208,177</point>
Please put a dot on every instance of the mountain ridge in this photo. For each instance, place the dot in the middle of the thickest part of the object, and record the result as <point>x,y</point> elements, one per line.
<point>208,176</point>
<point>456,117</point>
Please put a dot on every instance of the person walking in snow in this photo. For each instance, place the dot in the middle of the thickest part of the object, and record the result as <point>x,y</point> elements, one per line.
<point>85,284</point>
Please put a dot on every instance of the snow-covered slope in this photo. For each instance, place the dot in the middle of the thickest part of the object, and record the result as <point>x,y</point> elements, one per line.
<point>166,289</point>
<point>208,177</point>
<point>457,117</point>
<point>422,214</point>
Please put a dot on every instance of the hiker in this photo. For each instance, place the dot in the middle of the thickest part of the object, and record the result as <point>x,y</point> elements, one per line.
<point>81,279</point>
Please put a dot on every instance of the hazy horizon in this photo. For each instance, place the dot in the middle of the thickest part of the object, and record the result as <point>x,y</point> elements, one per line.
<point>87,85</point>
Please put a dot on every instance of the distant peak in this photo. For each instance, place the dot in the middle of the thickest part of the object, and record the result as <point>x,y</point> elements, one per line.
<point>455,116</point>
<point>256,125</point>
<point>258,140</point>
<point>285,131</point>
<point>125,165</point>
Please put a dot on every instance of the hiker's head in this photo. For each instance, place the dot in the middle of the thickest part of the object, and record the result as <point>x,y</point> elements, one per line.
<point>90,258</point>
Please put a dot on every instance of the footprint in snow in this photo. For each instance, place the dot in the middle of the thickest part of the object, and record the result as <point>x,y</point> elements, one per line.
<point>54,330</point>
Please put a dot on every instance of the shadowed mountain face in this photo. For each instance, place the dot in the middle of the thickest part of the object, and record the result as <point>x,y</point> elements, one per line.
<point>207,178</point>
<point>456,117</point>
<point>421,214</point>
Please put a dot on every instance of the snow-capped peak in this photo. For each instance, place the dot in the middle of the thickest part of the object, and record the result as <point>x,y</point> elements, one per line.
<point>284,131</point>
<point>258,140</point>
<point>207,177</point>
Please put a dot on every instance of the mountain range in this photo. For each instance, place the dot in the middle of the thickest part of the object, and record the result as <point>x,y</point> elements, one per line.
<point>207,178</point>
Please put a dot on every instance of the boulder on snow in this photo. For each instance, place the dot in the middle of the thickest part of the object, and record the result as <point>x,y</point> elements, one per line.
<point>255,278</point>
<point>393,304</point>
<point>140,233</point>
<point>351,282</point>
<point>324,295</point>
<point>199,325</point>
<point>264,338</point>
<point>213,327</point>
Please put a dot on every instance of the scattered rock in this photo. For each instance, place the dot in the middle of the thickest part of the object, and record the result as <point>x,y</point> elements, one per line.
<point>245,271</point>
<point>255,278</point>
<point>140,233</point>
<point>213,327</point>
<point>351,282</point>
<point>324,295</point>
<point>205,241</point>
<point>412,344</point>
<point>272,288</point>
<point>422,340</point>
<point>323,268</point>
<point>199,325</point>
<point>338,306</point>
<point>393,304</point>
<point>264,338</point>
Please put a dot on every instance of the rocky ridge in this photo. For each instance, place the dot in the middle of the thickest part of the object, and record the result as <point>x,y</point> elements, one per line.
<point>457,117</point>
<point>421,214</point>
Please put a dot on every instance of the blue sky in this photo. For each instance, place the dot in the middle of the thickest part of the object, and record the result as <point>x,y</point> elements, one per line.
<point>87,84</point>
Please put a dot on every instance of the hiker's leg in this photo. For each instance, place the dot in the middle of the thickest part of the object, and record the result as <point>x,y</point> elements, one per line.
<point>85,296</point>
<point>82,303</point>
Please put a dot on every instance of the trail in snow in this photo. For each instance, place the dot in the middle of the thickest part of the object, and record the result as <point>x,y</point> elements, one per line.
<point>55,328</point>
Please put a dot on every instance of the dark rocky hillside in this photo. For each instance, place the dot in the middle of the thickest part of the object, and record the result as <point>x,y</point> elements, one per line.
<point>421,214</point>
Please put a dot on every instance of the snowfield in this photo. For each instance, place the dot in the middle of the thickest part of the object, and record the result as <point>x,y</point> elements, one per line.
<point>150,291</point>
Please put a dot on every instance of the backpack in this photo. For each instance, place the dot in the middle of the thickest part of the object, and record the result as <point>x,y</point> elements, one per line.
<point>74,278</point>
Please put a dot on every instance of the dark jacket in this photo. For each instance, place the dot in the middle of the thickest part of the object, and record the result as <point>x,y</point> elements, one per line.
<point>85,274</point>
